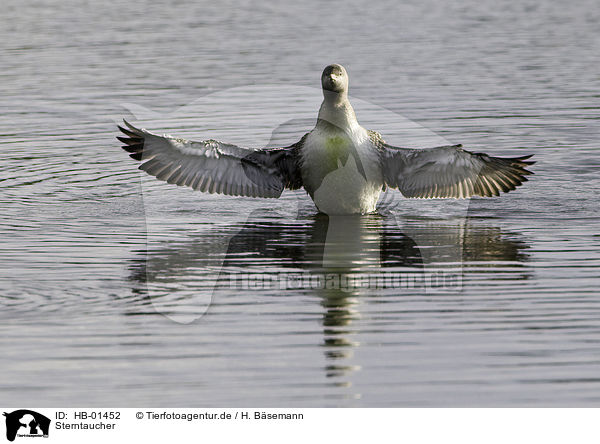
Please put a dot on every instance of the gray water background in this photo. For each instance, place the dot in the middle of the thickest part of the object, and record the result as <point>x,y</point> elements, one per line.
<point>78,269</point>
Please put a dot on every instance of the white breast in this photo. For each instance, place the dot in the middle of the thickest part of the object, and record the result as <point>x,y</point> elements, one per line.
<point>340,171</point>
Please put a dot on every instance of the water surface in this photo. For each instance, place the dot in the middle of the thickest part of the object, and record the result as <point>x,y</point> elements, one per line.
<point>116,290</point>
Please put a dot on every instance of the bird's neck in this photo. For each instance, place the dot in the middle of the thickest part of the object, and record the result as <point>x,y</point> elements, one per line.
<point>337,111</point>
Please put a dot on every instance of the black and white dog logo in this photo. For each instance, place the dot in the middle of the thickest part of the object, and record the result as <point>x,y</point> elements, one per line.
<point>26,423</point>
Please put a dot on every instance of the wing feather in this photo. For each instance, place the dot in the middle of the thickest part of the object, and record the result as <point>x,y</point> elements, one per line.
<point>449,171</point>
<point>213,166</point>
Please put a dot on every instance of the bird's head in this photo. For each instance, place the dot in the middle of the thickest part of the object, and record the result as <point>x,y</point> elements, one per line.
<point>335,79</point>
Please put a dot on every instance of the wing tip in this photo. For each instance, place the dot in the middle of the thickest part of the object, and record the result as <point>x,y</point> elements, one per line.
<point>134,142</point>
<point>129,125</point>
<point>524,160</point>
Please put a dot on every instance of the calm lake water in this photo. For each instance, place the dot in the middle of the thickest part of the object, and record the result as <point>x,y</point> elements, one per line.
<point>119,290</point>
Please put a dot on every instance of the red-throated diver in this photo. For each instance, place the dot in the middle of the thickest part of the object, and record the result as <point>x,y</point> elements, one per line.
<point>343,166</point>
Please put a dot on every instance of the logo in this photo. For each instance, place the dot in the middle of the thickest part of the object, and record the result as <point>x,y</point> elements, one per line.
<point>26,423</point>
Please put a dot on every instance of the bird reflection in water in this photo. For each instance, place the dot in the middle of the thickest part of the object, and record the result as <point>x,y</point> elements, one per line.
<point>325,246</point>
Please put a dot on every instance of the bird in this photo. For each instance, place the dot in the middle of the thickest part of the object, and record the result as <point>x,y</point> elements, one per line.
<point>341,165</point>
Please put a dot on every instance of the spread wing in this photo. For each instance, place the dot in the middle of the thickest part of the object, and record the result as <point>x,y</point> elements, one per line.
<point>213,166</point>
<point>449,171</point>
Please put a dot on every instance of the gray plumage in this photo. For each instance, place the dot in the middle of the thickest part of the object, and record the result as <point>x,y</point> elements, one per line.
<point>216,167</point>
<point>213,166</point>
